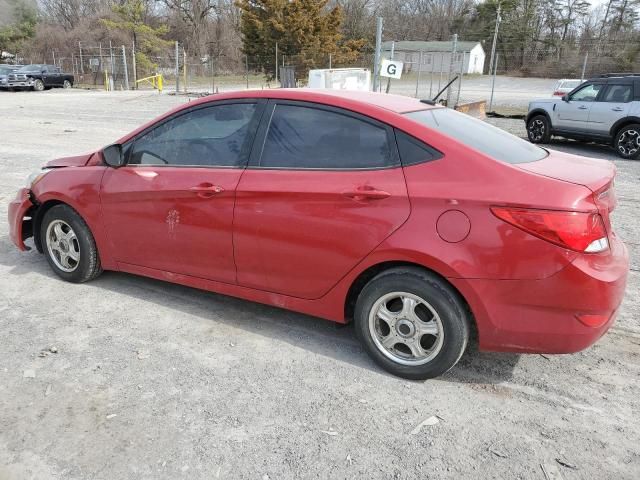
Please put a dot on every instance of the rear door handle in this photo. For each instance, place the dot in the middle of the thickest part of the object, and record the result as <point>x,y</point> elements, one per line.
<point>206,190</point>
<point>617,109</point>
<point>366,194</point>
<point>582,107</point>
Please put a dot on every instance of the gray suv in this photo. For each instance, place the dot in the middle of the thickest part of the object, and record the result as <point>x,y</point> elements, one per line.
<point>605,109</point>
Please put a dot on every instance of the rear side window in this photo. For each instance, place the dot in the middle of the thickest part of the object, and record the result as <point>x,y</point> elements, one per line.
<point>211,136</point>
<point>302,137</point>
<point>413,151</point>
<point>618,94</point>
<point>479,135</point>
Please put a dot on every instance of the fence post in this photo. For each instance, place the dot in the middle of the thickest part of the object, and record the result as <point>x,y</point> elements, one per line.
<point>184,69</point>
<point>584,65</point>
<point>464,55</point>
<point>493,81</point>
<point>177,67</point>
<point>454,48</point>
<point>126,71</point>
<point>393,51</point>
<point>419,69</point>
<point>113,68</point>
<point>376,59</point>
<point>133,66</point>
<point>329,61</point>
<point>276,63</point>
<point>81,63</point>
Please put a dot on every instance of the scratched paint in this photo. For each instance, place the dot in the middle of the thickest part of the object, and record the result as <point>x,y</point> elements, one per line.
<point>173,220</point>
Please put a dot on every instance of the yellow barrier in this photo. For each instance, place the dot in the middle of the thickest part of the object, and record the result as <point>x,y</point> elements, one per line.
<point>155,81</point>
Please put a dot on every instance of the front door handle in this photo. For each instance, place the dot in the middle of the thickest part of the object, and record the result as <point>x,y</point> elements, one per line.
<point>617,109</point>
<point>366,193</point>
<point>582,107</point>
<point>206,190</point>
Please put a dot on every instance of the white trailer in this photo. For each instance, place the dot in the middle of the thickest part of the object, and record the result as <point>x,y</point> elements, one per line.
<point>341,79</point>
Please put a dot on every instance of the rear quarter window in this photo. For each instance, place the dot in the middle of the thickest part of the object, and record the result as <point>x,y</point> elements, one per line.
<point>492,141</point>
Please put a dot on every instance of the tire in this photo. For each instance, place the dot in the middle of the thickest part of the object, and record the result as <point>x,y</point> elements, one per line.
<point>70,250</point>
<point>67,84</point>
<point>539,129</point>
<point>426,326</point>
<point>627,142</point>
<point>38,85</point>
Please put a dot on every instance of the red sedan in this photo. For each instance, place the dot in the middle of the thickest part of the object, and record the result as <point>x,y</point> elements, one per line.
<point>418,223</point>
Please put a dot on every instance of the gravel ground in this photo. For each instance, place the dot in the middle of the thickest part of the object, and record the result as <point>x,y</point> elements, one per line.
<point>151,380</point>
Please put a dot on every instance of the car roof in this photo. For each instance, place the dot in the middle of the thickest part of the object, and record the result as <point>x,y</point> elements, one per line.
<point>341,98</point>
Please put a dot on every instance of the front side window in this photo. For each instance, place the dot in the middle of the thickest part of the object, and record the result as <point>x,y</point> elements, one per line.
<point>618,94</point>
<point>306,137</point>
<point>492,141</point>
<point>587,93</point>
<point>210,136</point>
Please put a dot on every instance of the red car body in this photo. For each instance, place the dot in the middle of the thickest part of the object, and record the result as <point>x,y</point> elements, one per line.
<point>305,240</point>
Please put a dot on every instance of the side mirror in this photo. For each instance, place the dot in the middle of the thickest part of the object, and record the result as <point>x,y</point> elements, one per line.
<point>43,71</point>
<point>565,98</point>
<point>112,156</point>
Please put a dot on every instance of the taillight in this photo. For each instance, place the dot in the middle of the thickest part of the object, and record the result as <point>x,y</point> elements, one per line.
<point>579,231</point>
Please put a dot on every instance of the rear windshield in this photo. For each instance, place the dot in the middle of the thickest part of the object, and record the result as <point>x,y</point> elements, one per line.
<point>481,136</point>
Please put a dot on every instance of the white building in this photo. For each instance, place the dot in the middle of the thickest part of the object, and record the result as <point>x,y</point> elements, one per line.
<point>436,56</point>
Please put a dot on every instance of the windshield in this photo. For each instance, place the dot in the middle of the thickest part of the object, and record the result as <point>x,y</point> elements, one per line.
<point>479,135</point>
<point>30,68</point>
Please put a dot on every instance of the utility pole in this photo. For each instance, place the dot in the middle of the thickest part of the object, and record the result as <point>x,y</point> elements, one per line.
<point>393,51</point>
<point>584,65</point>
<point>376,60</point>
<point>495,38</point>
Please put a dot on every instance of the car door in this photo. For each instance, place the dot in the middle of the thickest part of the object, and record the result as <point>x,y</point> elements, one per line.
<point>170,207</point>
<point>610,107</point>
<point>573,114</point>
<point>322,190</point>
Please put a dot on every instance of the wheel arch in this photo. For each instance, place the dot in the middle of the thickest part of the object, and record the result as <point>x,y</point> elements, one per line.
<point>373,270</point>
<point>39,215</point>
<point>623,122</point>
<point>538,111</point>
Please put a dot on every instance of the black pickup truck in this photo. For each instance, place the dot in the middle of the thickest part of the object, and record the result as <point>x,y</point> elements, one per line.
<point>39,77</point>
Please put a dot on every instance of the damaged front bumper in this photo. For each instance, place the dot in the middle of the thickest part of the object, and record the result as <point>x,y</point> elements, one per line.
<point>20,220</point>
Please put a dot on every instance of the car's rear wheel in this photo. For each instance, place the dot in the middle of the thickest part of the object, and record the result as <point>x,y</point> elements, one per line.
<point>66,84</point>
<point>38,85</point>
<point>539,129</point>
<point>69,245</point>
<point>412,323</point>
<point>627,142</point>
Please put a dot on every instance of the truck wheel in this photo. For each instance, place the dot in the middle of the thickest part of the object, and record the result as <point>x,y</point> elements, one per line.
<point>66,84</point>
<point>627,142</point>
<point>539,129</point>
<point>38,85</point>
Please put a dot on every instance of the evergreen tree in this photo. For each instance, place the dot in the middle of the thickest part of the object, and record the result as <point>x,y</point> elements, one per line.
<point>306,29</point>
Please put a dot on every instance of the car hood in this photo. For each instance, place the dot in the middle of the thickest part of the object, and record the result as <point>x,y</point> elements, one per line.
<point>589,172</point>
<point>76,161</point>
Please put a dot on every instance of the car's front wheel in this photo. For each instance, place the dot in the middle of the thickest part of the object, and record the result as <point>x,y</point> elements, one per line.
<point>69,245</point>
<point>539,129</point>
<point>38,85</point>
<point>627,142</point>
<point>412,323</point>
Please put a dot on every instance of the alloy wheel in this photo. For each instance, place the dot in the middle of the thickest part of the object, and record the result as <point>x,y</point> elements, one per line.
<point>63,246</point>
<point>406,328</point>
<point>629,142</point>
<point>536,130</point>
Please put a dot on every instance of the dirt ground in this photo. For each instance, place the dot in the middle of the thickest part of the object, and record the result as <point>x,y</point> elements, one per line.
<point>155,381</point>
